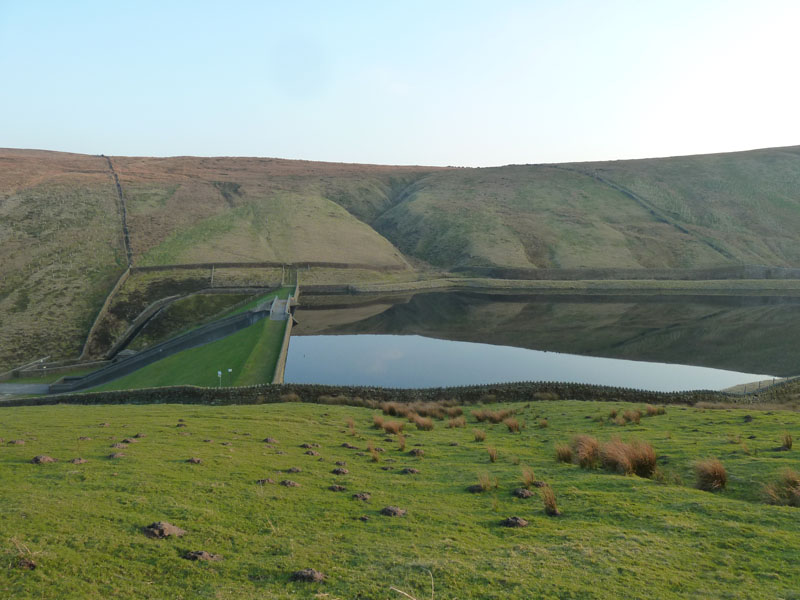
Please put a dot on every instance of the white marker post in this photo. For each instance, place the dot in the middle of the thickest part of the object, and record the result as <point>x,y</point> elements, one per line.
<point>219,374</point>
<point>230,377</point>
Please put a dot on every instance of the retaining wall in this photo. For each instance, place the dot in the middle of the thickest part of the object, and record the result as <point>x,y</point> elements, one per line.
<point>370,396</point>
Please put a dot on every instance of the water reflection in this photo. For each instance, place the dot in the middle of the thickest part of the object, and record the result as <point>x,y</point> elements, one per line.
<point>750,334</point>
<point>415,361</point>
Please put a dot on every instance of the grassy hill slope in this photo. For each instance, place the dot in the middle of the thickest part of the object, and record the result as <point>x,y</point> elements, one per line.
<point>61,225</point>
<point>60,251</point>
<point>697,211</point>
<point>617,537</point>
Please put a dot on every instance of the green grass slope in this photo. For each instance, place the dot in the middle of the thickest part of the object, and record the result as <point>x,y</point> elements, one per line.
<point>696,211</point>
<point>60,251</point>
<point>618,536</point>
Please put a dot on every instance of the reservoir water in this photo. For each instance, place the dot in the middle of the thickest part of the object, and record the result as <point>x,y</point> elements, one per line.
<point>460,338</point>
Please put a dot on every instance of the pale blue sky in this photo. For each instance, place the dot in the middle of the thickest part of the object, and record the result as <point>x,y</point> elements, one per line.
<point>440,83</point>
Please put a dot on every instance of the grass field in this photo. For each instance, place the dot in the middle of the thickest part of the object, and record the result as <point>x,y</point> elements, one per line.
<point>617,536</point>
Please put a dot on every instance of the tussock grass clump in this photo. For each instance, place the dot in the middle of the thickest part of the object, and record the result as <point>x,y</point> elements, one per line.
<point>374,454</point>
<point>395,409</point>
<point>401,440</point>
<point>627,459</point>
<point>423,423</point>
<point>652,411</point>
<point>549,500</point>
<point>787,441</point>
<point>480,435</point>
<point>632,416</point>
<point>492,454</point>
<point>393,427</point>
<point>612,414</point>
<point>454,411</point>
<point>512,424</point>
<point>528,477</point>
<point>563,453</point>
<point>487,482</point>
<point>587,451</point>
<point>785,491</point>
<point>290,397</point>
<point>457,422</point>
<point>710,474</point>
<point>543,423</point>
<point>377,421</point>
<point>351,426</point>
<point>493,416</point>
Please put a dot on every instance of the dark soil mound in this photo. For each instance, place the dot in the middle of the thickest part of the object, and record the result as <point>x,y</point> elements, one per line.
<point>522,493</point>
<point>311,575</point>
<point>514,522</point>
<point>201,555</point>
<point>16,443</point>
<point>417,452</point>
<point>78,461</point>
<point>227,444</point>
<point>410,471</point>
<point>162,529</point>
<point>207,441</point>
<point>337,488</point>
<point>270,440</point>
<point>265,481</point>
<point>140,435</point>
<point>117,455</point>
<point>130,441</point>
<point>42,459</point>
<point>748,419</point>
<point>340,471</point>
<point>26,564</point>
<point>181,425</point>
<point>306,445</point>
<point>105,424</point>
<point>294,470</point>
<point>362,496</point>
<point>312,452</point>
<point>84,438</point>
<point>119,446</point>
<point>340,463</point>
<point>393,511</point>
<point>194,460</point>
<point>476,488</point>
<point>289,483</point>
<point>349,446</point>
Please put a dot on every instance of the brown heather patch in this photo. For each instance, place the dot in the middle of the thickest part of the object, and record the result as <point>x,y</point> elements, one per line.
<point>549,500</point>
<point>543,423</point>
<point>480,435</point>
<point>492,454</point>
<point>512,424</point>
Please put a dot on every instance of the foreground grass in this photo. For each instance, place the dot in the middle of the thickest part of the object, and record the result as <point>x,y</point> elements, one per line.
<point>617,537</point>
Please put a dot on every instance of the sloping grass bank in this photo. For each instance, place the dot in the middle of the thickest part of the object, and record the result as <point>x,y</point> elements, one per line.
<point>617,537</point>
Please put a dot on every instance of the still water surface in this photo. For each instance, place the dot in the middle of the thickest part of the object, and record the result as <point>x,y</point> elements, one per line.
<point>416,361</point>
<point>461,338</point>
